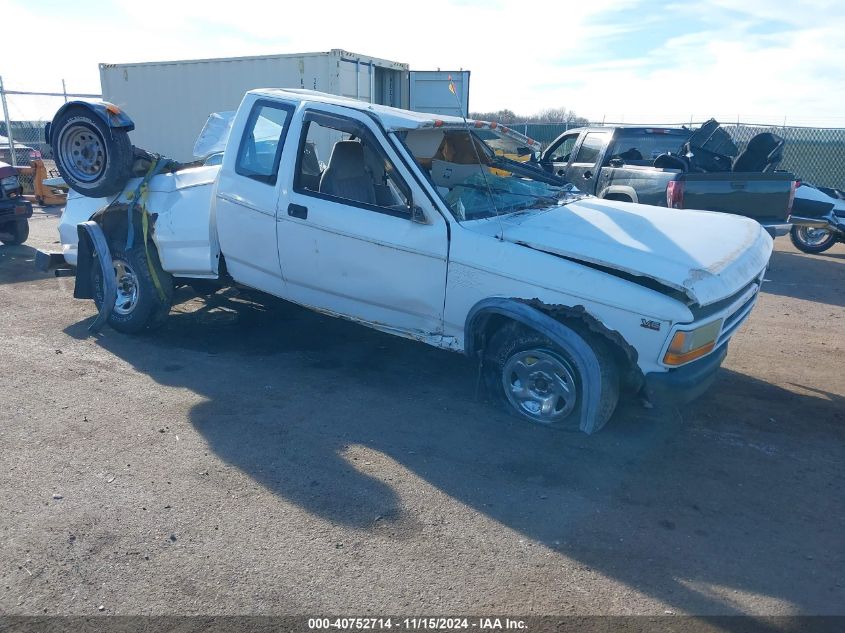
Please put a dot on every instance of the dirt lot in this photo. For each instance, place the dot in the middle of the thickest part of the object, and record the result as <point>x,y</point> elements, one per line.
<point>258,458</point>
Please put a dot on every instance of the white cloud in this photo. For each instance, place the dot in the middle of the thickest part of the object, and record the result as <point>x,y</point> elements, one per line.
<point>516,51</point>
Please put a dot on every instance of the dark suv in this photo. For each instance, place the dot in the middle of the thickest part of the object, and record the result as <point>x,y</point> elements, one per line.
<point>15,211</point>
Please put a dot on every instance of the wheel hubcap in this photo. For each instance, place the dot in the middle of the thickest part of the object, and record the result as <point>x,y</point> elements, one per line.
<point>812,236</point>
<point>127,288</point>
<point>540,385</point>
<point>83,153</point>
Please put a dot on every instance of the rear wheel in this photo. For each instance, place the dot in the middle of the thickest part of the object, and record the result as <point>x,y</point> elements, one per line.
<point>138,304</point>
<point>538,381</point>
<point>812,240</point>
<point>17,230</point>
<point>93,159</point>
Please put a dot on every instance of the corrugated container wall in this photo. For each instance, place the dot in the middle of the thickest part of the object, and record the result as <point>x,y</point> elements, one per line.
<point>170,101</point>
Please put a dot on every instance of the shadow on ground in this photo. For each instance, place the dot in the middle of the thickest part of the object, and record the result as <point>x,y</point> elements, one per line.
<point>17,264</point>
<point>740,492</point>
<point>819,278</point>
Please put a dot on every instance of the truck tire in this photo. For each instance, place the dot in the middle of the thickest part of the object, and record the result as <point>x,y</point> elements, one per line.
<point>811,240</point>
<point>18,230</point>
<point>94,159</point>
<point>537,381</point>
<point>138,306</point>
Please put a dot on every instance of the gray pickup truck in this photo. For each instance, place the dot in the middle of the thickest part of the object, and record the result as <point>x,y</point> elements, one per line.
<point>678,168</point>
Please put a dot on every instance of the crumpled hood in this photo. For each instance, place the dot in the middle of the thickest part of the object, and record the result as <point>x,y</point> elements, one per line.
<point>707,256</point>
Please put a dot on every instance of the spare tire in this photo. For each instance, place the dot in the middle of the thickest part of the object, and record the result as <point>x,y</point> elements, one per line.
<point>94,159</point>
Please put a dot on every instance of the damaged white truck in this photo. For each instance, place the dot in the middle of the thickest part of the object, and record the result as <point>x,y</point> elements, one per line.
<point>420,226</point>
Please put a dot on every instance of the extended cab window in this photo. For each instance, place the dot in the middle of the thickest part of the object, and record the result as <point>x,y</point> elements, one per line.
<point>644,146</point>
<point>341,159</point>
<point>563,152</point>
<point>591,148</point>
<point>261,144</point>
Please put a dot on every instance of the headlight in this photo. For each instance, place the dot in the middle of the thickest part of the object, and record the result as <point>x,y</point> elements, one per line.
<point>10,182</point>
<point>688,345</point>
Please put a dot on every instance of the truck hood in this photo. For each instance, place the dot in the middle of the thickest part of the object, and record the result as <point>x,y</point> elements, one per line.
<point>704,255</point>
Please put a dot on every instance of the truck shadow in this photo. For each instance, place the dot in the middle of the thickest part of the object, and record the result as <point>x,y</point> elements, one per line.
<point>739,493</point>
<point>817,278</point>
<point>17,264</point>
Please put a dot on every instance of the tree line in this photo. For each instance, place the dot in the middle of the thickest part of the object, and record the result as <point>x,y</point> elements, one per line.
<point>549,115</point>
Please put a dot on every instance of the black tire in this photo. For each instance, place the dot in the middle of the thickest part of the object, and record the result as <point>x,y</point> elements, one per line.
<point>147,311</point>
<point>514,339</point>
<point>93,159</point>
<point>19,231</point>
<point>799,235</point>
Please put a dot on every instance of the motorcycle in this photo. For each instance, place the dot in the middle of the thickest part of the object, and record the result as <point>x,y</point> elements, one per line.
<point>818,218</point>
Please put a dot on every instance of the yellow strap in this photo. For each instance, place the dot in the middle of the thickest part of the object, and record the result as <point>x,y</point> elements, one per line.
<point>145,225</point>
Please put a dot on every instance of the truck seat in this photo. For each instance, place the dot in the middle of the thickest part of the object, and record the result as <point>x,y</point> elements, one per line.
<point>763,153</point>
<point>345,175</point>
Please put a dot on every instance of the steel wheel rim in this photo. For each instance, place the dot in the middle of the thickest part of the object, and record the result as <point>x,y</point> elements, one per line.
<point>127,288</point>
<point>813,236</point>
<point>83,153</point>
<point>540,385</point>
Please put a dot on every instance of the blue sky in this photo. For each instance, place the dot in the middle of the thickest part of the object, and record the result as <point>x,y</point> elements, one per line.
<point>628,60</point>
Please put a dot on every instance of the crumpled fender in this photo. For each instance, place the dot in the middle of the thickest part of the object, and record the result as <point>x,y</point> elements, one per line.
<point>570,341</point>
<point>111,115</point>
<point>93,240</point>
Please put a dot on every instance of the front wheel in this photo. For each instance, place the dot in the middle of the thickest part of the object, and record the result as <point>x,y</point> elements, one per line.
<point>812,240</point>
<point>538,381</point>
<point>138,305</point>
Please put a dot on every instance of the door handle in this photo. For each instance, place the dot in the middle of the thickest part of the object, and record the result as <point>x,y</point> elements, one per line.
<point>298,211</point>
<point>588,175</point>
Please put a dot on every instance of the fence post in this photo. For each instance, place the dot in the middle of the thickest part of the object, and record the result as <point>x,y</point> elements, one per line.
<point>8,125</point>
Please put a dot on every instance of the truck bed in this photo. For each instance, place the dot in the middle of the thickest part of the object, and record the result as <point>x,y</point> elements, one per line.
<point>763,197</point>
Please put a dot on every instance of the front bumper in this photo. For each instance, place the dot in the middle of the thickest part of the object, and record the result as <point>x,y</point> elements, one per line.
<point>685,384</point>
<point>777,229</point>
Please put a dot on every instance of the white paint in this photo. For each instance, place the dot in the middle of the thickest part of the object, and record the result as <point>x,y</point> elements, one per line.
<point>421,280</point>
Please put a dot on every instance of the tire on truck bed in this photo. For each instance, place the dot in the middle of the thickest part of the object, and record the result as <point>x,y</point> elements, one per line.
<point>94,159</point>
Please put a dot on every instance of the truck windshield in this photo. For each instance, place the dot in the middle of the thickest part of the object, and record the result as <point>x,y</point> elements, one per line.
<point>476,180</point>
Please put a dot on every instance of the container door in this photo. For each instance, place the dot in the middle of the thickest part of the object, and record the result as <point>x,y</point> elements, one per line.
<point>429,92</point>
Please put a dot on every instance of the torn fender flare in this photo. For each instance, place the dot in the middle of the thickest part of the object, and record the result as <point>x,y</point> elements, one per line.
<point>93,240</point>
<point>567,339</point>
<point>112,115</point>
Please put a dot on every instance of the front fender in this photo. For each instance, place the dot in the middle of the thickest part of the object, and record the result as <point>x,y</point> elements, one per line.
<point>112,115</point>
<point>567,339</point>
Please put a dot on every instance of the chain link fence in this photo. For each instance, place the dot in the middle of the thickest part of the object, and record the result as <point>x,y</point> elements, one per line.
<point>22,126</point>
<point>815,155</point>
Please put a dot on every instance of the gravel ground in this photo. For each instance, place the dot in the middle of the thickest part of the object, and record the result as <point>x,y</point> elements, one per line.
<point>256,458</point>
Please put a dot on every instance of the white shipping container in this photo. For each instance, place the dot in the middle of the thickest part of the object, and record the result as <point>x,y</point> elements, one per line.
<point>170,101</point>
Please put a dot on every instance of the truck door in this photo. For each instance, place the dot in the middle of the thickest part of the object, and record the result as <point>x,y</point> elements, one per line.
<point>583,170</point>
<point>359,237</point>
<point>248,194</point>
<point>557,157</point>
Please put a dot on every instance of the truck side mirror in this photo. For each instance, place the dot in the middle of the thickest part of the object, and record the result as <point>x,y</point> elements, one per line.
<point>417,215</point>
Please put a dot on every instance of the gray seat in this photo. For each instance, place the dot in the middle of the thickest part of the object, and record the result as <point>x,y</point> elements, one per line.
<point>345,176</point>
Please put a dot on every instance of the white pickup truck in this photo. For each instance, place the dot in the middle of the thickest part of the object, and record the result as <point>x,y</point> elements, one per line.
<point>410,223</point>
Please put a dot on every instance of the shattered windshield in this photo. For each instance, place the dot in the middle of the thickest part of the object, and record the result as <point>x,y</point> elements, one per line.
<point>482,174</point>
